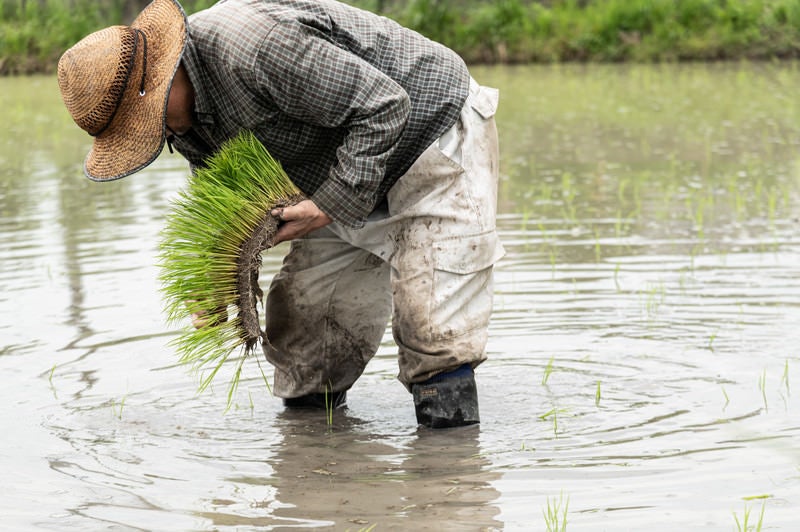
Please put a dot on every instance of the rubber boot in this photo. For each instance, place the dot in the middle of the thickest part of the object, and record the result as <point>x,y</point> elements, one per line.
<point>447,400</point>
<point>318,401</point>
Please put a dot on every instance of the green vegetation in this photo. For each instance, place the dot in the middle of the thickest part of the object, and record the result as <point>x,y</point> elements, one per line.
<point>116,409</point>
<point>548,369</point>
<point>745,525</point>
<point>784,377</point>
<point>610,30</point>
<point>211,253</point>
<point>552,415</point>
<point>33,33</point>
<point>555,515</point>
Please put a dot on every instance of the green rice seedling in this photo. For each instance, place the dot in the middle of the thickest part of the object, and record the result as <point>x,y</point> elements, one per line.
<point>654,298</point>
<point>543,231</point>
<point>50,380</point>
<point>555,515</point>
<point>762,385</point>
<point>523,227</point>
<point>328,406</point>
<point>698,218</point>
<point>785,377</point>
<point>727,400</point>
<point>548,369</point>
<point>711,341</point>
<point>211,253</point>
<point>744,525</point>
<point>552,414</point>
<point>118,413</point>
<point>772,207</point>
<point>597,395</point>
<point>760,497</point>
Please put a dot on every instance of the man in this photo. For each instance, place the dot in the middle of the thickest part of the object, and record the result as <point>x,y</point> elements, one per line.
<point>384,131</point>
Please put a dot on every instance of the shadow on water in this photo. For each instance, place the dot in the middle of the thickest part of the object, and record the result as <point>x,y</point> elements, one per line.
<point>152,468</point>
<point>642,361</point>
<point>343,476</point>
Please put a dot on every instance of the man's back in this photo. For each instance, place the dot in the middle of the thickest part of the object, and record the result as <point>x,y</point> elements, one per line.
<point>317,82</point>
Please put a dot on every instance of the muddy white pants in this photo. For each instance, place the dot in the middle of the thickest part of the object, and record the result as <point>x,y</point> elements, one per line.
<point>426,263</point>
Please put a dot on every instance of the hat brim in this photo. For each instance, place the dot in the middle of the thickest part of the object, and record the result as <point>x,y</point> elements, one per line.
<point>135,137</point>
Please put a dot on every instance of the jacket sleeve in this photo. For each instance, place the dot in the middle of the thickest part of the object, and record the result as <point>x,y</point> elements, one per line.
<point>313,80</point>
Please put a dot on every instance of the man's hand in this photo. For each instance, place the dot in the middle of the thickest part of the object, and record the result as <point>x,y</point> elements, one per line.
<point>201,318</point>
<point>298,220</point>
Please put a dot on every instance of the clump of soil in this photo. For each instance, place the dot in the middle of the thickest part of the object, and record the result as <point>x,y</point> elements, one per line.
<point>248,266</point>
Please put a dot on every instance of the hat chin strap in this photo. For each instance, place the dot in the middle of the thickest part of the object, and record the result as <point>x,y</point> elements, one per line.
<point>136,32</point>
<point>144,58</point>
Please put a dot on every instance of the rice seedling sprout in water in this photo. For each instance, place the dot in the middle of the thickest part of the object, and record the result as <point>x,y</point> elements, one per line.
<point>711,341</point>
<point>328,406</point>
<point>555,515</point>
<point>744,525</point>
<point>553,415</point>
<point>118,413</point>
<point>548,369</point>
<point>50,380</point>
<point>785,377</point>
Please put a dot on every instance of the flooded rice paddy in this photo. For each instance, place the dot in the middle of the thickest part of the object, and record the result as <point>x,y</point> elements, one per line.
<point>643,369</point>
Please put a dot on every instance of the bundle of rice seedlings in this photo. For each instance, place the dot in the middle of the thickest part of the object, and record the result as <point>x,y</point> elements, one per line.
<point>210,254</point>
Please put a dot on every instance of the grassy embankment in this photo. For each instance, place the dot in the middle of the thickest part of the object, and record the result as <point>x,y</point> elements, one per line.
<point>520,31</point>
<point>34,33</point>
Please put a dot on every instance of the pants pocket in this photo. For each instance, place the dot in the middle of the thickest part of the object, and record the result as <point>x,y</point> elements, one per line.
<point>445,293</point>
<point>462,284</point>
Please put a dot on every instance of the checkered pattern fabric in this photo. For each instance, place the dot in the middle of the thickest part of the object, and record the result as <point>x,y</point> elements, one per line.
<point>345,99</point>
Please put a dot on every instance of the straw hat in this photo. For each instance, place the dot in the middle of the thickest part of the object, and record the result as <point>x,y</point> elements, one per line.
<point>115,84</point>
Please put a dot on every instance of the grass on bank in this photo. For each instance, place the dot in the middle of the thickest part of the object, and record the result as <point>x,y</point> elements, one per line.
<point>33,34</point>
<point>611,30</point>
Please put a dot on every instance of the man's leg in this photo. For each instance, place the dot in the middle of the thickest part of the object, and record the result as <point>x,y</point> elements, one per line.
<point>445,245</point>
<point>326,314</point>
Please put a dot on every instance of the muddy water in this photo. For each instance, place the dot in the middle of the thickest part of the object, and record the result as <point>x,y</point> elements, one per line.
<point>643,363</point>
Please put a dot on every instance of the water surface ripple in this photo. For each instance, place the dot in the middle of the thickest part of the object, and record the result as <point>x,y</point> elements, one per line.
<point>643,361</point>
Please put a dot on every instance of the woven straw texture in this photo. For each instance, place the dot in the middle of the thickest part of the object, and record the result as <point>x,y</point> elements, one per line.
<point>100,80</point>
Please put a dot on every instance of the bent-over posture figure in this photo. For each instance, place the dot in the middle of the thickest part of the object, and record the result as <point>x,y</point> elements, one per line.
<point>386,133</point>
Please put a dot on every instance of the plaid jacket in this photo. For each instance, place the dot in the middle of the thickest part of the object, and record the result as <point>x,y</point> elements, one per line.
<point>345,99</point>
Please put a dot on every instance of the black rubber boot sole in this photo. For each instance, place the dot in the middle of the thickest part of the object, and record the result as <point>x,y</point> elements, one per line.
<point>447,400</point>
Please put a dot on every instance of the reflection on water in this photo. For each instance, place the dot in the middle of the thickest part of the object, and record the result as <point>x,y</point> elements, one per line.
<point>643,358</point>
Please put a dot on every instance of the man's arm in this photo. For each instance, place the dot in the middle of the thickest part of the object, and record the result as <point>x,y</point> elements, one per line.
<point>314,81</point>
